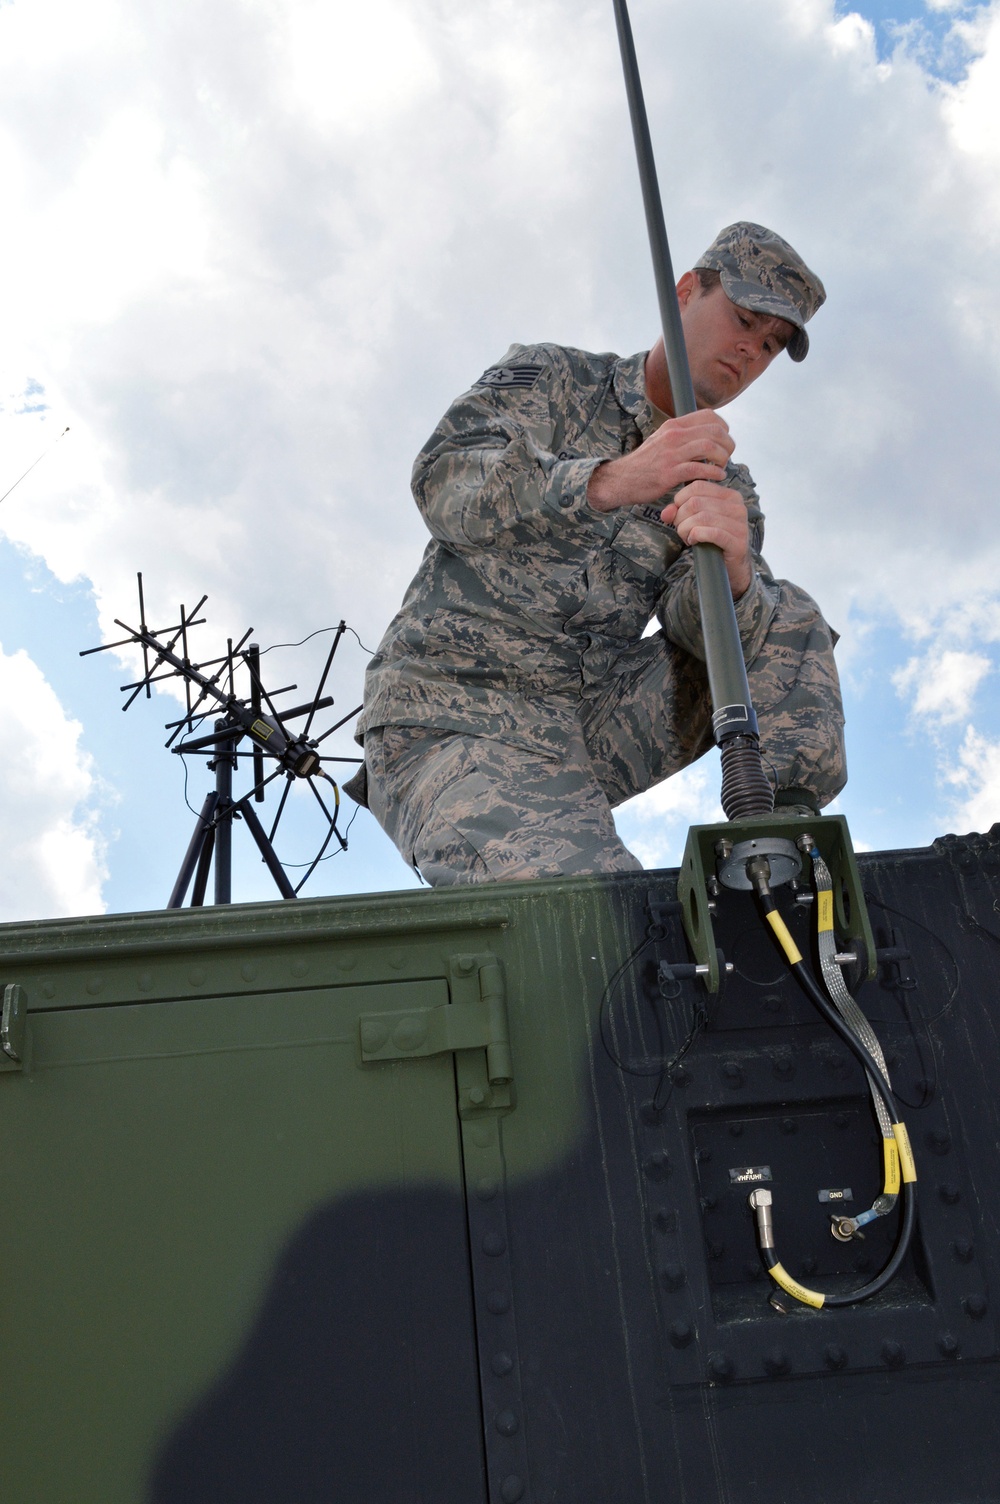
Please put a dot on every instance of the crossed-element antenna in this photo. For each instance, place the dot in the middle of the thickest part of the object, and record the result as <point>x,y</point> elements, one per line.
<point>211,686</point>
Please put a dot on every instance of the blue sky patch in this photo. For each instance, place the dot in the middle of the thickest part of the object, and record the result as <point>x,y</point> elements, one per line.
<point>926,32</point>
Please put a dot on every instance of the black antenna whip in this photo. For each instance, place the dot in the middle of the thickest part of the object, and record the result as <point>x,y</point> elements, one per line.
<point>34,463</point>
<point>745,789</point>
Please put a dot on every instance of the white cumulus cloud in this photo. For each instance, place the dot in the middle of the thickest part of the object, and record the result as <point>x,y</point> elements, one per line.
<point>975,778</point>
<point>942,684</point>
<point>53,853</point>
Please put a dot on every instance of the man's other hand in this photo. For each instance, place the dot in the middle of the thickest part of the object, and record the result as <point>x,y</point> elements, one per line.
<point>706,513</point>
<point>690,452</point>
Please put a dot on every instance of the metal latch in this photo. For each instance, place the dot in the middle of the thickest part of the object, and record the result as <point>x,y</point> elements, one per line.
<point>474,1020</point>
<point>13,1028</point>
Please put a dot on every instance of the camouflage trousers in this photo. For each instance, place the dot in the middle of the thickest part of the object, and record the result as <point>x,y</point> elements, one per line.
<point>464,808</point>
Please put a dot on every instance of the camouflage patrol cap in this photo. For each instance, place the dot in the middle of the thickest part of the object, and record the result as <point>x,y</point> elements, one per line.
<point>760,271</point>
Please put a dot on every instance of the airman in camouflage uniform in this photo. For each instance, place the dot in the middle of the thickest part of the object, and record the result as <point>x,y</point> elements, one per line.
<point>514,699</point>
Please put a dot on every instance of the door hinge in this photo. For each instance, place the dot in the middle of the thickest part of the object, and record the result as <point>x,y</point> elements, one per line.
<point>13,1028</point>
<point>472,1026</point>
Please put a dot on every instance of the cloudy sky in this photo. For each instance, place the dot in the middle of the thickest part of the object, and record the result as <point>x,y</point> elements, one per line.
<point>251,250</point>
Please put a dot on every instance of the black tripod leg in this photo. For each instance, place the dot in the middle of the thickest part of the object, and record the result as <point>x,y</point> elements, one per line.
<point>265,848</point>
<point>204,864</point>
<point>193,854</point>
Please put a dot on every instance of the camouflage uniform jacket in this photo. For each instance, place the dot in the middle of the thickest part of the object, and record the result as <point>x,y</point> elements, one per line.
<point>526,596</point>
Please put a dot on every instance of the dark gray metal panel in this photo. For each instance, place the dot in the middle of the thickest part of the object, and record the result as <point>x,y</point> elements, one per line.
<point>655,1367</point>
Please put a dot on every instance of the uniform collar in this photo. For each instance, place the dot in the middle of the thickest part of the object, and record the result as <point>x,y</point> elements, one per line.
<point>630,391</point>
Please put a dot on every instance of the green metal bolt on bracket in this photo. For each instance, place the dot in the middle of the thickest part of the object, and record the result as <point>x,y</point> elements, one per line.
<point>833,841</point>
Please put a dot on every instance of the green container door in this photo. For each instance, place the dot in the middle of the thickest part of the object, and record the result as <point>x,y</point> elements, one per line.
<point>213,1224</point>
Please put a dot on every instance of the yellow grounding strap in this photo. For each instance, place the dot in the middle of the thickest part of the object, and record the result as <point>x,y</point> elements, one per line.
<point>906,1162</point>
<point>785,940</point>
<point>891,1153</point>
<point>792,1287</point>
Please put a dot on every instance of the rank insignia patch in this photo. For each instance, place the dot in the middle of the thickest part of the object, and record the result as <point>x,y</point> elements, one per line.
<point>522,376</point>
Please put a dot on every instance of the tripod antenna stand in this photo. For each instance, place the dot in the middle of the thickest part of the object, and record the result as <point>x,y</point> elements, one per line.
<point>254,718</point>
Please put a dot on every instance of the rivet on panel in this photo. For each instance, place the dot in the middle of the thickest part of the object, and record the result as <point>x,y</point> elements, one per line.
<point>789,1125</point>
<point>736,1130</point>
<point>893,1354</point>
<point>720,1368</point>
<point>962,1249</point>
<point>672,1276</point>
<point>501,1364</point>
<point>665,1221</point>
<point>975,1306</point>
<point>733,1075</point>
<point>808,1264</point>
<point>410,1033</point>
<point>949,1194</point>
<point>48,989</point>
<point>346,963</point>
<point>197,975</point>
<point>145,981</point>
<point>657,1167</point>
<point>94,985</point>
<point>498,1302</point>
<point>834,1356</point>
<point>481,1135</point>
<point>938,1142</point>
<point>507,1423</point>
<point>512,1489</point>
<point>776,1363</point>
<point>487,1188</point>
<point>681,1333</point>
<point>494,1244</point>
<point>248,971</point>
<point>373,1035</point>
<point>948,1345</point>
<point>300,968</point>
<point>397,960</point>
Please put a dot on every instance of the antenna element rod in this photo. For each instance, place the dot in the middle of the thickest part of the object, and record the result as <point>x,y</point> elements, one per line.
<point>745,789</point>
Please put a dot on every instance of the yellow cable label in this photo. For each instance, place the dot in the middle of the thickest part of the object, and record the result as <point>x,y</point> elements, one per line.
<point>824,909</point>
<point>792,1287</point>
<point>907,1165</point>
<point>891,1153</point>
<point>785,940</point>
